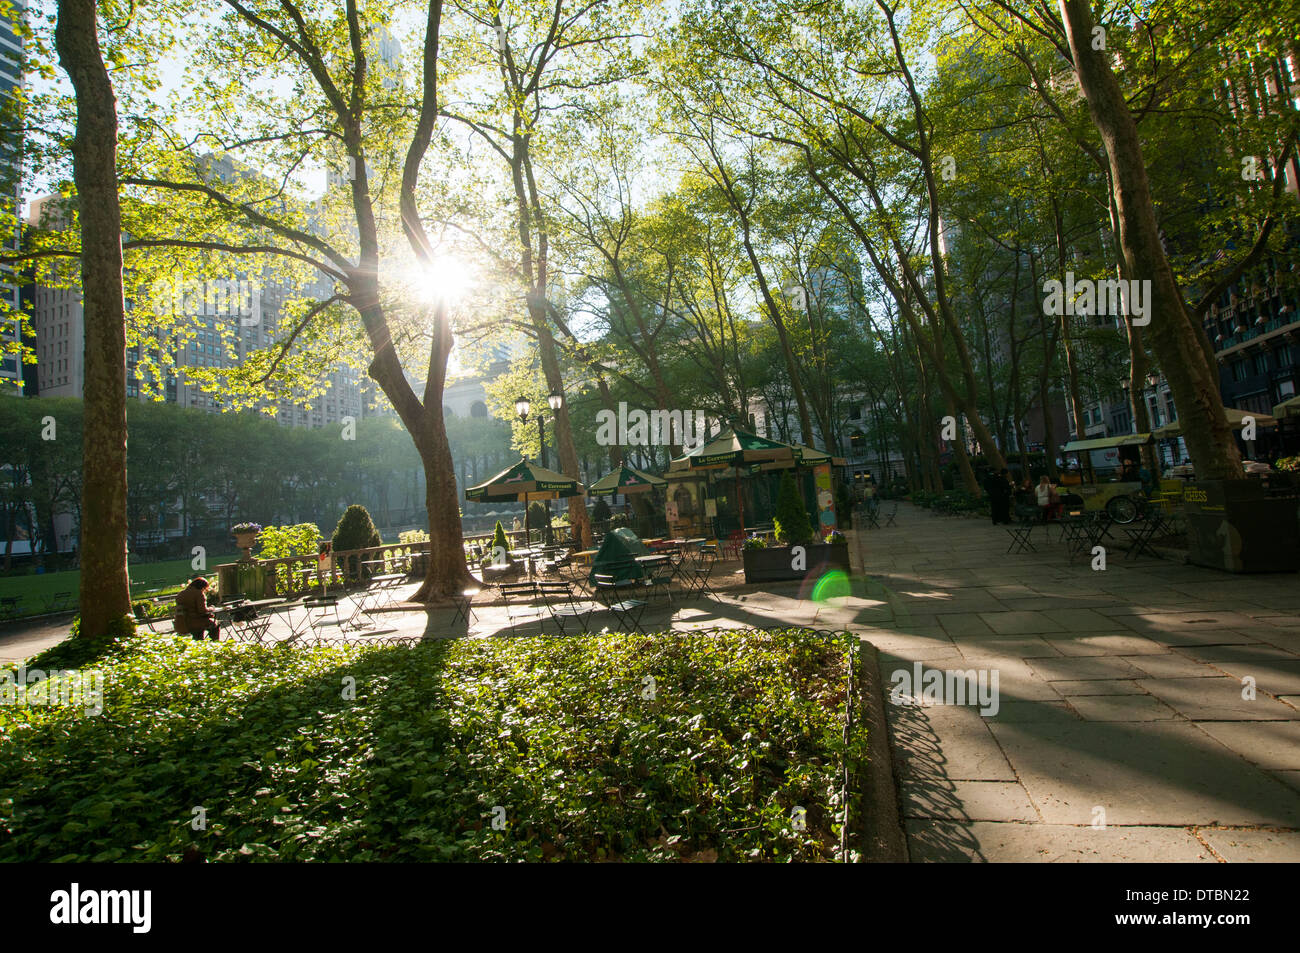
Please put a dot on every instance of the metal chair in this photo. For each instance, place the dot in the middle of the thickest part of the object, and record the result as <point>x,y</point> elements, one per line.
<point>609,591</point>
<point>522,604</point>
<point>559,601</point>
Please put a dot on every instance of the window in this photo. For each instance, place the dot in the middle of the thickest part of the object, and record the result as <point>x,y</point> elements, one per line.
<point>1261,363</point>
<point>1283,353</point>
<point>1238,371</point>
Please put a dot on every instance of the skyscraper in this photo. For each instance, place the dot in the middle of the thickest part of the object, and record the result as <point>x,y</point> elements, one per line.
<point>11,81</point>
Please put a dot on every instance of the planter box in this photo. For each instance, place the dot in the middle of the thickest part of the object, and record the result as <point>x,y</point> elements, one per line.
<point>773,565</point>
<point>1233,525</point>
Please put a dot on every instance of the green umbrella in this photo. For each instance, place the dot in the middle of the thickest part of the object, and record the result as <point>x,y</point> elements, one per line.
<point>523,482</point>
<point>733,448</point>
<point>625,480</point>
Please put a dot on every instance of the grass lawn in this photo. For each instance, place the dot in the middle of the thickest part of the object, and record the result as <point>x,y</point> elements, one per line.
<point>34,589</point>
<point>676,746</point>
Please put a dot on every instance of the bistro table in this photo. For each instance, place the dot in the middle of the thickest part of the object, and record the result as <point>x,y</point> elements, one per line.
<point>585,555</point>
<point>247,619</point>
<point>654,562</point>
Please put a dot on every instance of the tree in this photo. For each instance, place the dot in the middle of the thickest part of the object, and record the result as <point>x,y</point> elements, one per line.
<point>105,585</point>
<point>1177,342</point>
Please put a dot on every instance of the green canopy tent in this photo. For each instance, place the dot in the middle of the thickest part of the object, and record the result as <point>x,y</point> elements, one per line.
<point>524,482</point>
<point>617,552</point>
<point>734,448</point>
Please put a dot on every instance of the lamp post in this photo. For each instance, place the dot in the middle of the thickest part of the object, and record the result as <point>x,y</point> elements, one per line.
<point>524,406</point>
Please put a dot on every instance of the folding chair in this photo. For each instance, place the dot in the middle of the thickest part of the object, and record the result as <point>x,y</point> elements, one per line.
<point>325,605</point>
<point>521,601</point>
<point>152,623</point>
<point>464,607</point>
<point>609,590</point>
<point>1141,535</point>
<point>558,598</point>
<point>297,625</point>
<point>1020,533</point>
<point>872,511</point>
<point>695,573</point>
<point>889,517</point>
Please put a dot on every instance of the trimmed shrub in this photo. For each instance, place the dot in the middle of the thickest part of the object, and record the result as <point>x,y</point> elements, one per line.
<point>791,521</point>
<point>499,545</point>
<point>356,530</point>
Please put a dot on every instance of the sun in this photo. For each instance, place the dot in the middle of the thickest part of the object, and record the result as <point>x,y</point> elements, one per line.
<point>447,279</point>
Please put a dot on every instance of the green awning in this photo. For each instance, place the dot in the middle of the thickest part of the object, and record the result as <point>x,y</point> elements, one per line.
<point>1101,443</point>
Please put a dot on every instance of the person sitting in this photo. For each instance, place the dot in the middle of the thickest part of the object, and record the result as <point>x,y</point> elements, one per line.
<point>1049,501</point>
<point>193,615</point>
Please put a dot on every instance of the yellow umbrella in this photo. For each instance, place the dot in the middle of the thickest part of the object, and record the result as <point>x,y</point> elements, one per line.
<point>1288,408</point>
<point>1236,420</point>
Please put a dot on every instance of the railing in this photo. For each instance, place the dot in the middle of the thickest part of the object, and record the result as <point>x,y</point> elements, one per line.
<point>284,576</point>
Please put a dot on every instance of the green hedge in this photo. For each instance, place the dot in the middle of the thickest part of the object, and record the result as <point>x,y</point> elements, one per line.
<point>560,732</point>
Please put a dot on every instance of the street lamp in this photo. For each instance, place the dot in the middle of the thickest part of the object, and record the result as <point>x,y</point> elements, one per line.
<point>524,406</point>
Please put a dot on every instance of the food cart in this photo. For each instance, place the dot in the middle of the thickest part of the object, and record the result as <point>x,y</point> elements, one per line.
<point>1101,481</point>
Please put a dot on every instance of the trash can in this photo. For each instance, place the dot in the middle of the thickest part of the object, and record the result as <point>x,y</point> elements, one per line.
<point>1236,526</point>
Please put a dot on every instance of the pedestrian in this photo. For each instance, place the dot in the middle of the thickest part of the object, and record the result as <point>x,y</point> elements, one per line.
<point>1049,501</point>
<point>193,614</point>
<point>998,488</point>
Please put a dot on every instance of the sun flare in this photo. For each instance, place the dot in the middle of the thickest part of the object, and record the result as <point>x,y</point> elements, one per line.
<point>446,280</point>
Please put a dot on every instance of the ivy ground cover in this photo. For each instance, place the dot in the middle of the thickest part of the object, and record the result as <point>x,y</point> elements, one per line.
<point>723,745</point>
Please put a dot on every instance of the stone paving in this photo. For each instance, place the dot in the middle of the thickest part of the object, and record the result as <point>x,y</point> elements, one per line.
<point>1125,700</point>
<point>1121,733</point>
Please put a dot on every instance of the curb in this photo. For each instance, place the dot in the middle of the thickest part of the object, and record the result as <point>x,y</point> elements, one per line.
<point>883,839</point>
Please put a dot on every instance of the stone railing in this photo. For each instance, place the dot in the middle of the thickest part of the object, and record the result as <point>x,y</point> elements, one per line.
<point>291,575</point>
<point>287,576</point>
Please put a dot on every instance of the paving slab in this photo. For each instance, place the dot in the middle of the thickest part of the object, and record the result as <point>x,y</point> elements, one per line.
<point>1021,623</point>
<point>1105,645</point>
<point>1167,774</point>
<point>1076,668</point>
<point>1172,665</point>
<point>931,841</point>
<point>1274,745</point>
<point>1216,699</point>
<point>1097,686</point>
<point>1254,846</point>
<point>1122,708</point>
<point>971,801</point>
<point>944,744</point>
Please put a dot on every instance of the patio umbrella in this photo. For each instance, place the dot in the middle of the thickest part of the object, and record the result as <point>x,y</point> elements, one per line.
<point>1288,408</point>
<point>1236,420</point>
<point>524,482</point>
<point>734,447</point>
<point>625,480</point>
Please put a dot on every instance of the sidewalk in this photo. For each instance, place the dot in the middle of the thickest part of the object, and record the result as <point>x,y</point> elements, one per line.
<point>1121,700</point>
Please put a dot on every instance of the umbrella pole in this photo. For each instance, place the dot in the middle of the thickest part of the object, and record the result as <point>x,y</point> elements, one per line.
<point>740,503</point>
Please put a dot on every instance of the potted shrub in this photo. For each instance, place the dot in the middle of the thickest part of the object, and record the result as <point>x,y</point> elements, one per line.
<point>800,556</point>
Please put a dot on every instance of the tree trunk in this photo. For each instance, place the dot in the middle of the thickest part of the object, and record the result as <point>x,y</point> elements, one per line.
<point>105,585</point>
<point>1192,380</point>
